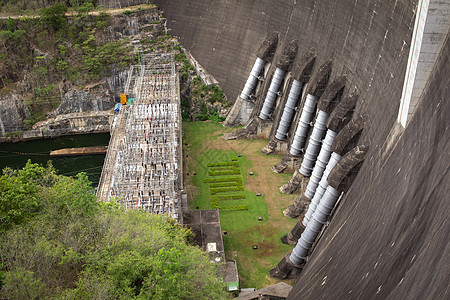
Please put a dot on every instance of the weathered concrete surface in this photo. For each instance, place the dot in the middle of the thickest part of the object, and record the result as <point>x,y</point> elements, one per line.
<point>286,269</point>
<point>81,151</point>
<point>299,208</point>
<point>390,237</point>
<point>239,113</point>
<point>292,237</point>
<point>366,40</point>
<point>279,290</point>
<point>431,30</point>
<point>342,175</point>
<point>12,113</point>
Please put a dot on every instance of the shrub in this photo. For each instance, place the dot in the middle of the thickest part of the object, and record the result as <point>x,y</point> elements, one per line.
<point>233,207</point>
<point>214,203</point>
<point>222,184</point>
<point>214,191</point>
<point>221,164</point>
<point>221,173</point>
<point>223,168</point>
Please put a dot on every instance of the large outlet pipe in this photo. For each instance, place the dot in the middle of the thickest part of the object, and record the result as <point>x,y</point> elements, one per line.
<point>252,78</point>
<point>322,161</point>
<point>323,184</point>
<point>315,141</point>
<point>289,109</point>
<point>272,94</point>
<point>319,218</point>
<point>303,124</point>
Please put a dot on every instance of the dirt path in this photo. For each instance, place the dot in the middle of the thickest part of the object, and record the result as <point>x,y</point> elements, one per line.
<point>110,11</point>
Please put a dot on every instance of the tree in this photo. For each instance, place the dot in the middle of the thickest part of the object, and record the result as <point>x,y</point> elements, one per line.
<point>18,195</point>
<point>11,24</point>
<point>55,16</point>
<point>67,245</point>
<point>22,284</point>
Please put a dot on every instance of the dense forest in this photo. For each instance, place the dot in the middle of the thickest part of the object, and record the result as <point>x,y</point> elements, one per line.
<point>58,242</point>
<point>60,45</point>
<point>40,55</point>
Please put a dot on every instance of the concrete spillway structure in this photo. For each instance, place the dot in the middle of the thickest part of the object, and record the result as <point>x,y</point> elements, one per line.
<point>283,65</point>
<point>322,186</point>
<point>252,78</point>
<point>315,142</point>
<point>319,218</point>
<point>243,107</point>
<point>272,94</point>
<point>289,110</point>
<point>322,161</point>
<point>370,41</point>
<point>303,125</point>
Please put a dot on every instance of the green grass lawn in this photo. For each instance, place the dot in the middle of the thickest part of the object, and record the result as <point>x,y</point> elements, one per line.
<point>243,227</point>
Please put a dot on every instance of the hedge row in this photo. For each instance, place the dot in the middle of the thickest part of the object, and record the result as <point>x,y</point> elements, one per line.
<point>234,158</point>
<point>233,207</point>
<point>230,197</point>
<point>223,184</point>
<point>222,164</point>
<point>214,203</point>
<point>221,173</point>
<point>223,168</point>
<point>214,191</point>
<point>224,179</point>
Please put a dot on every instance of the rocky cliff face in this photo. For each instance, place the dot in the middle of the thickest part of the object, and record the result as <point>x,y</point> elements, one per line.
<point>12,113</point>
<point>96,97</point>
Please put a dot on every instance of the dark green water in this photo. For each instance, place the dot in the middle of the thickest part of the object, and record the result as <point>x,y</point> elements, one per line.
<point>15,155</point>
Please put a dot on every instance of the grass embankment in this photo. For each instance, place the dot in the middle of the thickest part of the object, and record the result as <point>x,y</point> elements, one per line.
<point>204,144</point>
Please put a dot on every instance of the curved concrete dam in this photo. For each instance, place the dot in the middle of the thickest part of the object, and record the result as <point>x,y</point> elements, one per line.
<point>389,235</point>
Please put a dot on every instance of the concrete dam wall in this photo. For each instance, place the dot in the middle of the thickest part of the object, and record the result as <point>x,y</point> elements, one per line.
<point>389,236</point>
<point>366,40</point>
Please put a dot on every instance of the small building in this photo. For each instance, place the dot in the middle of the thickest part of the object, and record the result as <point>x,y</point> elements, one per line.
<point>205,225</point>
<point>231,276</point>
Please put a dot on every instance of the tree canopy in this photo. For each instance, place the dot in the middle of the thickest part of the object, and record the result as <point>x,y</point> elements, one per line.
<point>57,241</point>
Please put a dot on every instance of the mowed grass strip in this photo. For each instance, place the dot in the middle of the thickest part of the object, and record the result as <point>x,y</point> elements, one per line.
<point>205,143</point>
<point>229,197</point>
<point>214,191</point>
<point>234,171</point>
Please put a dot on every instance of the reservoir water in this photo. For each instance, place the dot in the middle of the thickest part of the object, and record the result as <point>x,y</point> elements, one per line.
<point>16,155</point>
